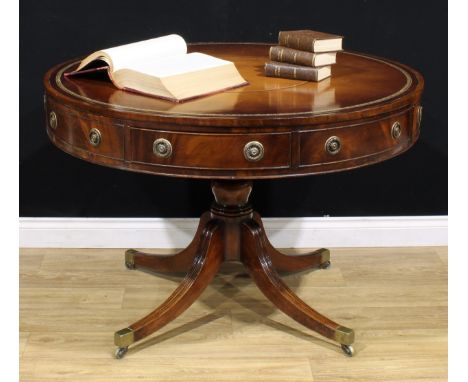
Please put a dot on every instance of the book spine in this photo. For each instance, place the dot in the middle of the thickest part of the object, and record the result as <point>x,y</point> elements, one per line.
<point>293,56</point>
<point>297,41</point>
<point>278,69</point>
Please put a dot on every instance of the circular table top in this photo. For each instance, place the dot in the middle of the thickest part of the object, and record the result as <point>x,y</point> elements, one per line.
<point>358,82</point>
<point>361,91</point>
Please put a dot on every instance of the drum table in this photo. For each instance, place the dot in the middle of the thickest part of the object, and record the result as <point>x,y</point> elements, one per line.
<point>367,112</point>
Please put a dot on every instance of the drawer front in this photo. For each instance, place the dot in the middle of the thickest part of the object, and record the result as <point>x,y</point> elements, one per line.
<point>98,135</point>
<point>355,141</point>
<point>210,151</point>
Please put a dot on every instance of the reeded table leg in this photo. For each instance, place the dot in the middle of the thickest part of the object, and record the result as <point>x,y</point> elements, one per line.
<point>231,231</point>
<point>178,263</point>
<point>297,263</point>
<point>257,260</point>
<point>204,267</point>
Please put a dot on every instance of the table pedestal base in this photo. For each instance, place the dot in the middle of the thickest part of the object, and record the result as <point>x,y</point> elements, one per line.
<point>231,231</point>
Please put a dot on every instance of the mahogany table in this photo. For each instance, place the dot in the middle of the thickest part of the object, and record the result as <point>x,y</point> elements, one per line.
<point>367,112</point>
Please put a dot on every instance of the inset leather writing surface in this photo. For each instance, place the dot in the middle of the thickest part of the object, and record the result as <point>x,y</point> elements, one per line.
<point>357,81</point>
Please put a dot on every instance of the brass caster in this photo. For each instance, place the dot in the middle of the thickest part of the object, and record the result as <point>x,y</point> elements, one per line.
<point>120,352</point>
<point>129,262</point>
<point>348,350</point>
<point>325,265</point>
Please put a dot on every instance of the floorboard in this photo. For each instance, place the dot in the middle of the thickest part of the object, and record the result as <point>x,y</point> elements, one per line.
<point>72,301</point>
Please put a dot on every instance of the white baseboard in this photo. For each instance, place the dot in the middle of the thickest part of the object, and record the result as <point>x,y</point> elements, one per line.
<point>399,231</point>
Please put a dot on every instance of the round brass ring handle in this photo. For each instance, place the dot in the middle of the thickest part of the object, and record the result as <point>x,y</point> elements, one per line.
<point>396,130</point>
<point>254,151</point>
<point>333,145</point>
<point>53,120</point>
<point>94,137</point>
<point>162,148</point>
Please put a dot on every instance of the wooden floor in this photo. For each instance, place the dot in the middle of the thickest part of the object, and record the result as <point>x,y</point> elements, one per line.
<point>72,301</point>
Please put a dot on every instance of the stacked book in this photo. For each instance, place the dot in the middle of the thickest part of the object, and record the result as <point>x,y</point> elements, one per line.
<point>303,55</point>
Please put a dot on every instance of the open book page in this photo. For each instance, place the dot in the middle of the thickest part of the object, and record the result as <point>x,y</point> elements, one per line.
<point>175,65</point>
<point>161,67</point>
<point>149,51</point>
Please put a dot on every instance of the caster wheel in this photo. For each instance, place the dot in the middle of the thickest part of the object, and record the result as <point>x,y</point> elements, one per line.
<point>120,352</point>
<point>129,262</point>
<point>348,350</point>
<point>325,265</point>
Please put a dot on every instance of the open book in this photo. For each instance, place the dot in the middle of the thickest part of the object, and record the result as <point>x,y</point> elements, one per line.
<point>162,67</point>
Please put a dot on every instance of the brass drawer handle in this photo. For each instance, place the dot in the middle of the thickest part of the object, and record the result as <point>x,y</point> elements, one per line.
<point>162,148</point>
<point>420,110</point>
<point>396,130</point>
<point>94,137</point>
<point>53,120</point>
<point>254,151</point>
<point>333,145</point>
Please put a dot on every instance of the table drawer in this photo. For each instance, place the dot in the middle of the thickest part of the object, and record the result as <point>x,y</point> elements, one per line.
<point>354,141</point>
<point>210,151</point>
<point>95,134</point>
